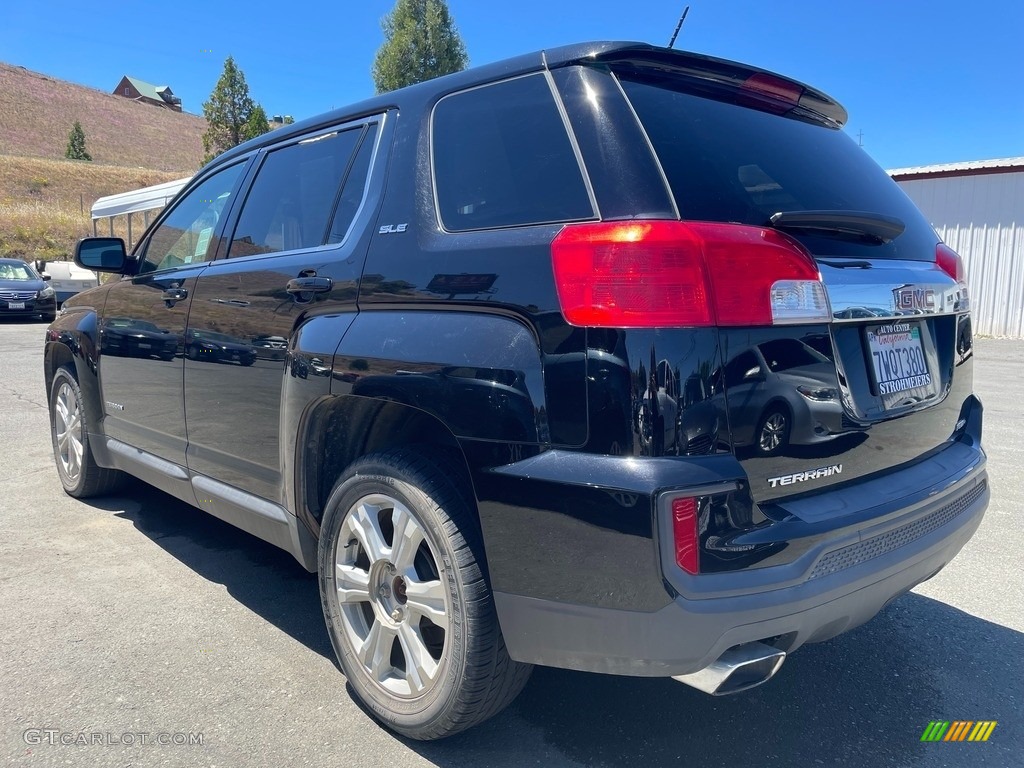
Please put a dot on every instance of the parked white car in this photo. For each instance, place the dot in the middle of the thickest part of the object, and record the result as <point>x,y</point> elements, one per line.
<point>67,278</point>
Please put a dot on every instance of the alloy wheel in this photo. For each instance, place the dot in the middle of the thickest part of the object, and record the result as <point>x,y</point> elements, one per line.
<point>772,432</point>
<point>67,426</point>
<point>394,605</point>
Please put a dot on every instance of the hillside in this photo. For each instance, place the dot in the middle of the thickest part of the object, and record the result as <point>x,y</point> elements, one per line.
<point>44,203</point>
<point>45,199</point>
<point>37,112</point>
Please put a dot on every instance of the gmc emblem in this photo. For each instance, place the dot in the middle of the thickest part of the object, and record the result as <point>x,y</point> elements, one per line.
<point>914,298</point>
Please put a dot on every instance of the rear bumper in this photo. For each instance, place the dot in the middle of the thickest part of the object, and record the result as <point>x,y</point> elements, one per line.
<point>844,584</point>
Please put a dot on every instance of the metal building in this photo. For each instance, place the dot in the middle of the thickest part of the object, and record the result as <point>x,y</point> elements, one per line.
<point>978,210</point>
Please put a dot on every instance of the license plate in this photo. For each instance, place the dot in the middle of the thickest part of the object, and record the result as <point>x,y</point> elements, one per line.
<point>15,304</point>
<point>898,360</point>
<point>145,346</point>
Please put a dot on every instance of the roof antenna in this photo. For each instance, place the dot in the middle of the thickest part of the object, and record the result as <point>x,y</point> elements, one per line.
<point>679,26</point>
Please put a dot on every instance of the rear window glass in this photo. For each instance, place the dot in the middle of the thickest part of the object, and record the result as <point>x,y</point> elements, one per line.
<point>502,157</point>
<point>731,163</point>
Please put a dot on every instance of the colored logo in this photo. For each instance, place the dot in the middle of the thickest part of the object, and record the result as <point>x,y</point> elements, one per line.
<point>958,730</point>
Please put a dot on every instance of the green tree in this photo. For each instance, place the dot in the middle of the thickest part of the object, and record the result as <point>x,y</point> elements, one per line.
<point>76,144</point>
<point>257,123</point>
<point>420,42</point>
<point>231,115</point>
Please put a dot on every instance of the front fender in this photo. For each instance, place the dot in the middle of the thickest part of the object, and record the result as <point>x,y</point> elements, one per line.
<point>73,339</point>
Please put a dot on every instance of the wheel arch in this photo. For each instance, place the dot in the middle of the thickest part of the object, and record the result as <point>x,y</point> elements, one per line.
<point>72,340</point>
<point>343,428</point>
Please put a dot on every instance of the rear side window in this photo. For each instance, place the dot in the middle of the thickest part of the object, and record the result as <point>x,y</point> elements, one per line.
<point>294,195</point>
<point>502,158</point>
<point>355,186</point>
<point>732,163</point>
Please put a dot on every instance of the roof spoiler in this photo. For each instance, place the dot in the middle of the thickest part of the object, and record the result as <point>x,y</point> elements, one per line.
<point>760,84</point>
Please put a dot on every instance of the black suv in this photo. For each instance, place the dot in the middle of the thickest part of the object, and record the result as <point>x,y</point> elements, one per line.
<point>575,374</point>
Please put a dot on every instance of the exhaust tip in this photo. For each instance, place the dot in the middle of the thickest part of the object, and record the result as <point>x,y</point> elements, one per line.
<point>738,669</point>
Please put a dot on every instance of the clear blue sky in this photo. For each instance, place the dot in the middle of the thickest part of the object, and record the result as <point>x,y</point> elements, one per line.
<point>925,81</point>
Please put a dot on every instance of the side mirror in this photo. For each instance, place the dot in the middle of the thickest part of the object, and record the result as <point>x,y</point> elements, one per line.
<point>101,254</point>
<point>752,373</point>
<point>46,278</point>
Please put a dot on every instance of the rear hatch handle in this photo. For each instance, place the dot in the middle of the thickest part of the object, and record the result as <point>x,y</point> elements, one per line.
<point>880,228</point>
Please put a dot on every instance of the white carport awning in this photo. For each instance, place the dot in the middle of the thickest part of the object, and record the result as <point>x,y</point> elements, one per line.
<point>144,199</point>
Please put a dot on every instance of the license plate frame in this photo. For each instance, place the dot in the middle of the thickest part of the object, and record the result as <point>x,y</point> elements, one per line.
<point>15,304</point>
<point>898,362</point>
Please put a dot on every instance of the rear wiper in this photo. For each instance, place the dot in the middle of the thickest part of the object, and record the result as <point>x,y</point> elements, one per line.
<point>840,224</point>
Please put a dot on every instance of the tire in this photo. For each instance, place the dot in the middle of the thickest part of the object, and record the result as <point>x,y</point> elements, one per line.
<point>69,433</point>
<point>192,353</point>
<point>385,605</point>
<point>773,430</point>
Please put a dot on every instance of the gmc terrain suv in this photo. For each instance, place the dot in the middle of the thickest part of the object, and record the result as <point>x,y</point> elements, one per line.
<point>574,373</point>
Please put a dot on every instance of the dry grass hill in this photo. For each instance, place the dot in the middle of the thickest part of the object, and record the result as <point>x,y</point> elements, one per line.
<point>37,112</point>
<point>44,198</point>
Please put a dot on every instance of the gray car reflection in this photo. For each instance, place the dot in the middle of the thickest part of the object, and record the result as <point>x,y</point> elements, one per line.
<point>782,392</point>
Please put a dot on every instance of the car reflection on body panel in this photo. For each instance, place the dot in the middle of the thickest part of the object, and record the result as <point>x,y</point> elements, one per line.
<point>212,347</point>
<point>480,401</point>
<point>271,347</point>
<point>304,365</point>
<point>677,419</point>
<point>782,392</point>
<point>128,337</point>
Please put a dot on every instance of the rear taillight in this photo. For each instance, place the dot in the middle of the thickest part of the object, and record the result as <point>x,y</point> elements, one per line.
<point>653,274</point>
<point>684,534</point>
<point>949,261</point>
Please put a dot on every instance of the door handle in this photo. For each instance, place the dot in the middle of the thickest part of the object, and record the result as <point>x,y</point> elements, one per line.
<point>173,295</point>
<point>298,285</point>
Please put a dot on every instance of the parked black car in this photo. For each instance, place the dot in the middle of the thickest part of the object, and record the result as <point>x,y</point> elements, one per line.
<point>214,347</point>
<point>503,436</point>
<point>24,292</point>
<point>128,336</point>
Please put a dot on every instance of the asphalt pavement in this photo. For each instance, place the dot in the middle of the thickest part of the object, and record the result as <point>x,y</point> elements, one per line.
<point>138,631</point>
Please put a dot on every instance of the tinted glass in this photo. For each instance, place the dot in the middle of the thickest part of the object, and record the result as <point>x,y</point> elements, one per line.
<point>732,163</point>
<point>354,187</point>
<point>783,354</point>
<point>186,236</point>
<point>293,196</point>
<point>502,158</point>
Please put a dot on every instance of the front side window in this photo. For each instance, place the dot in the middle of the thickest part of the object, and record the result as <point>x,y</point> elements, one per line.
<point>502,157</point>
<point>295,194</point>
<point>186,235</point>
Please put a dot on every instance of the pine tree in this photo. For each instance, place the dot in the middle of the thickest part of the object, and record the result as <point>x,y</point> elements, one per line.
<point>76,144</point>
<point>420,42</point>
<point>256,125</point>
<point>231,114</point>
